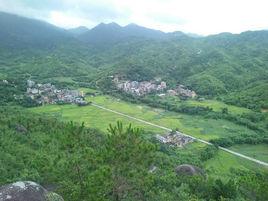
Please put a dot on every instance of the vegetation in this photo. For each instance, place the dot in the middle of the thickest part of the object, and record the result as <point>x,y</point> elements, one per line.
<point>202,127</point>
<point>87,165</point>
<point>254,121</point>
<point>227,66</point>
<point>86,155</point>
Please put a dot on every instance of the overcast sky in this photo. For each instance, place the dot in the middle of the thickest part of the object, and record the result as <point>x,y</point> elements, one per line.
<point>195,16</point>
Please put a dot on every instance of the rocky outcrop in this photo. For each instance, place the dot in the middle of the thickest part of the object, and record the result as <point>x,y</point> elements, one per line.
<point>190,170</point>
<point>27,191</point>
<point>21,129</point>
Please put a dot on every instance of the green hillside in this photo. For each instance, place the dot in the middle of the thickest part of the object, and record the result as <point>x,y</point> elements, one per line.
<point>213,66</point>
<point>52,132</point>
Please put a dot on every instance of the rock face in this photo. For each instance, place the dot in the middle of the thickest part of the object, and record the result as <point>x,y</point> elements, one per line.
<point>27,191</point>
<point>190,170</point>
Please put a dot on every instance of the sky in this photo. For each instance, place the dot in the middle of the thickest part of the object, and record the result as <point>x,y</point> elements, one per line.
<point>202,17</point>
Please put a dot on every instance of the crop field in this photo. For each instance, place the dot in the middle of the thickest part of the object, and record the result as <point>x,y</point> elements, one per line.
<point>221,165</point>
<point>193,125</point>
<point>259,151</point>
<point>91,116</point>
<point>217,106</point>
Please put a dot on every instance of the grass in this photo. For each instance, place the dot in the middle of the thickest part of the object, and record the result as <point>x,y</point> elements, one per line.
<point>217,106</point>
<point>259,151</point>
<point>87,90</point>
<point>221,165</point>
<point>197,126</point>
<point>91,116</point>
<point>194,125</point>
<point>2,76</point>
<point>61,79</point>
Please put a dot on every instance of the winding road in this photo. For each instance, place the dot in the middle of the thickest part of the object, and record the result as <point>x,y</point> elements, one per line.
<point>168,129</point>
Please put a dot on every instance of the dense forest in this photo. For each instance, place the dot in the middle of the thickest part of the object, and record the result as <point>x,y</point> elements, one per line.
<point>85,164</point>
<point>232,67</point>
<point>126,162</point>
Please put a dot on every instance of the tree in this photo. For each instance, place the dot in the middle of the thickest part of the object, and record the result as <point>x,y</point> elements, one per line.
<point>224,110</point>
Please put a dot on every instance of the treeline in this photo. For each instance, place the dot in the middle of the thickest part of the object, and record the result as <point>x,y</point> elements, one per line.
<point>12,90</point>
<point>249,120</point>
<point>85,164</point>
<point>252,120</point>
<point>253,97</point>
<point>240,139</point>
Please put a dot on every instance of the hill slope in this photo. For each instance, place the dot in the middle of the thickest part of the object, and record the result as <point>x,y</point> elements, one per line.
<point>20,32</point>
<point>34,47</point>
<point>78,30</point>
<point>213,66</point>
<point>112,33</point>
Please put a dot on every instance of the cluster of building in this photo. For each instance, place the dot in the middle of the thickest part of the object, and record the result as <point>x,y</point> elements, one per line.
<point>49,94</point>
<point>174,139</point>
<point>181,90</point>
<point>141,88</point>
<point>5,81</point>
<point>146,87</point>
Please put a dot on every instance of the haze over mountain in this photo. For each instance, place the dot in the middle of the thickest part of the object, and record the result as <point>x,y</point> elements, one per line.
<point>78,30</point>
<point>113,33</point>
<point>191,112</point>
<point>20,32</point>
<point>213,65</point>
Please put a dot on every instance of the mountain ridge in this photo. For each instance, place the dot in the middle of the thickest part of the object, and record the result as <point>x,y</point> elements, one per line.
<point>215,65</point>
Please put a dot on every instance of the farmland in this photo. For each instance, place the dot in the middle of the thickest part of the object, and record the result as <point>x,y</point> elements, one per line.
<point>193,125</point>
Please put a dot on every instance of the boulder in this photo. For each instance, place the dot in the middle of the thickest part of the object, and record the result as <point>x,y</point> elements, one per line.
<point>20,129</point>
<point>27,191</point>
<point>186,169</point>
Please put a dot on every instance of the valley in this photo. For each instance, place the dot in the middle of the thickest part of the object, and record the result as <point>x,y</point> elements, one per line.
<point>202,128</point>
<point>131,113</point>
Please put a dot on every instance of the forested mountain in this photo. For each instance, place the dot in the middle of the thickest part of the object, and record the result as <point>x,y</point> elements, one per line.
<point>213,66</point>
<point>40,49</point>
<point>112,33</point>
<point>50,76</point>
<point>20,32</point>
<point>78,30</point>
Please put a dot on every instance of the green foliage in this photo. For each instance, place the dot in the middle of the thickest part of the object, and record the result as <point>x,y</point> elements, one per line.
<point>208,153</point>
<point>206,85</point>
<point>87,165</point>
<point>253,97</point>
<point>227,66</point>
<point>84,164</point>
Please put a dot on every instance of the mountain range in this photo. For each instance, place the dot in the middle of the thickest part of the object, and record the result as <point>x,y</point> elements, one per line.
<point>231,67</point>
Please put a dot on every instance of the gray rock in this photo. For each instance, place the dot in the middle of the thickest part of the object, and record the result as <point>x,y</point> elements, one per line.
<point>21,129</point>
<point>186,169</point>
<point>27,191</point>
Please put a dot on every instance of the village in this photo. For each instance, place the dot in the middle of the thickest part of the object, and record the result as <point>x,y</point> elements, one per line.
<point>48,94</point>
<point>175,139</point>
<point>141,88</point>
<point>146,87</point>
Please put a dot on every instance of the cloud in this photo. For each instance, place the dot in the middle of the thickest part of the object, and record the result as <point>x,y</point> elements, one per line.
<point>202,17</point>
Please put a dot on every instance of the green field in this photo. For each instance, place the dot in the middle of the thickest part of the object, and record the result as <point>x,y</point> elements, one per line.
<point>64,79</point>
<point>91,116</point>
<point>259,151</point>
<point>2,76</point>
<point>217,106</point>
<point>193,125</point>
<point>221,164</point>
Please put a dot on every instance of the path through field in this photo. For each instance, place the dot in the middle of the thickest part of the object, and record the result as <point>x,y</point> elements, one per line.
<point>168,129</point>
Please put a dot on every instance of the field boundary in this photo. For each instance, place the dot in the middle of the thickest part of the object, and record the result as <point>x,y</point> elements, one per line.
<point>168,129</point>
